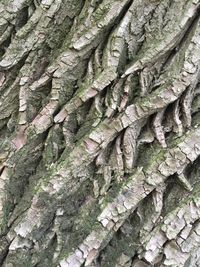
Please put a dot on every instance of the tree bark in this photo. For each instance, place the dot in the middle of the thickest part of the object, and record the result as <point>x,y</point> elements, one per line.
<point>99,133</point>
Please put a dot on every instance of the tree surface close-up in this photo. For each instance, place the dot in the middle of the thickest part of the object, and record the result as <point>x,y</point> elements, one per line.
<point>99,133</point>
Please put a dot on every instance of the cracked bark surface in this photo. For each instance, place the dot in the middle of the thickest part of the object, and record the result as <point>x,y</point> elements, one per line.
<point>99,133</point>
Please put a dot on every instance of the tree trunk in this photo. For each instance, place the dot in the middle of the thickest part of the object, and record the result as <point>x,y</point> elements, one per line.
<point>99,133</point>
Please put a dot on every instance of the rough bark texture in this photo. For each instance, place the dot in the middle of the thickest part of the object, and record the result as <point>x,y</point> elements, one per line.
<point>99,133</point>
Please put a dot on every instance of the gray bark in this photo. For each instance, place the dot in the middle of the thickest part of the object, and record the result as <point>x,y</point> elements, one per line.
<point>99,133</point>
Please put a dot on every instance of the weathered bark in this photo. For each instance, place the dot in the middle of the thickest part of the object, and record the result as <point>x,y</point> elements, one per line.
<point>99,133</point>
